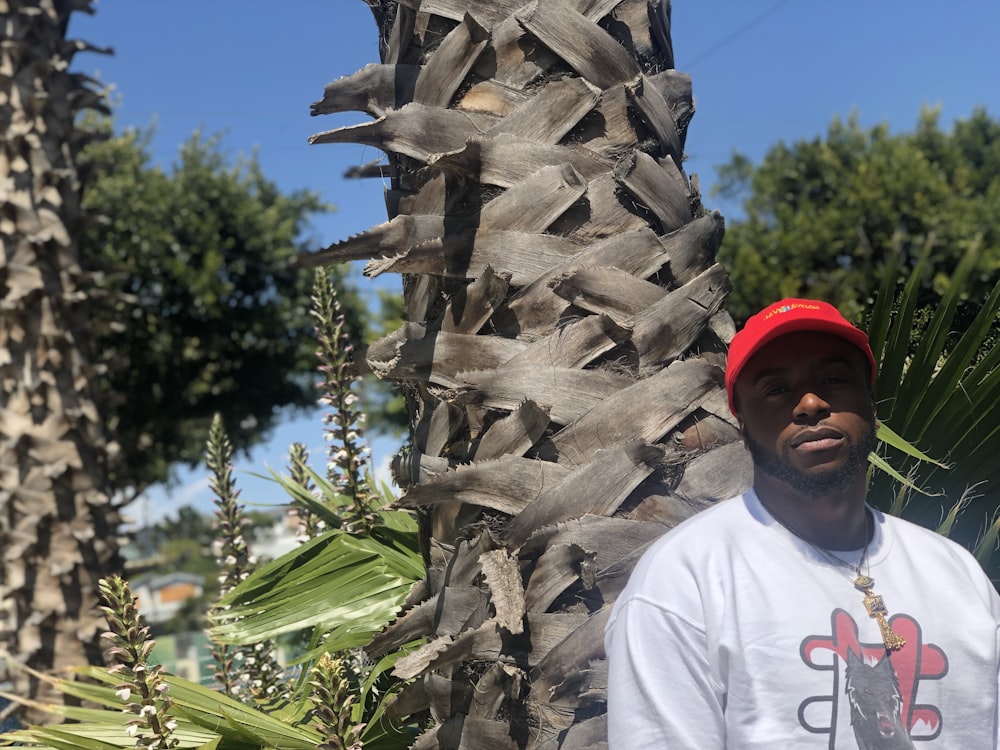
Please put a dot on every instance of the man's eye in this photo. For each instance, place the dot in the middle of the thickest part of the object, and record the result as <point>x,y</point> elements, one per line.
<point>775,390</point>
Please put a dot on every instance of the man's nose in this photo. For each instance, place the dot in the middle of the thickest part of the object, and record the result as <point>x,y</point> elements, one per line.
<point>811,405</point>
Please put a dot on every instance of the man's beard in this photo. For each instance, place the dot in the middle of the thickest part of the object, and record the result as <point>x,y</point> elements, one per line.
<point>820,483</point>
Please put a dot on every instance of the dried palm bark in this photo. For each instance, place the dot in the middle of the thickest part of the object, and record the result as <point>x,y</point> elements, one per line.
<point>564,351</point>
<point>57,522</point>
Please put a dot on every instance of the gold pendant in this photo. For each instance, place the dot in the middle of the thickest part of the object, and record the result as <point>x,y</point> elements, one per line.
<point>876,609</point>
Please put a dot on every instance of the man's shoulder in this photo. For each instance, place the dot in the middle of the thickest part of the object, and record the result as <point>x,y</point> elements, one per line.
<point>932,546</point>
<point>692,554</point>
<point>707,529</point>
<point>721,514</point>
<point>906,530</point>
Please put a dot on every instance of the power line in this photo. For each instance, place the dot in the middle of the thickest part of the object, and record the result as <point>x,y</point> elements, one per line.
<point>738,33</point>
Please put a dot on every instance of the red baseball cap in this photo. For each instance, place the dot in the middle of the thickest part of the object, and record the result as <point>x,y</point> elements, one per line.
<point>789,316</point>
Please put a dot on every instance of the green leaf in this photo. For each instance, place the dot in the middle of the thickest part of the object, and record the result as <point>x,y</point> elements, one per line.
<point>895,354</point>
<point>210,710</point>
<point>106,731</point>
<point>925,363</point>
<point>99,694</point>
<point>351,586</point>
<point>233,720</point>
<point>887,436</point>
<point>988,544</point>
<point>328,510</point>
<point>880,463</point>
<point>949,520</point>
<point>71,740</point>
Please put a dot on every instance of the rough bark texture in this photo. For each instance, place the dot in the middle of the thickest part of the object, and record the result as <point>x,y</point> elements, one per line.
<point>57,523</point>
<point>564,354</point>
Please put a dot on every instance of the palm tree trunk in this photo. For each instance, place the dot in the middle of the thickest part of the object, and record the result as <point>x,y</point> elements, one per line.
<point>564,351</point>
<point>58,525</point>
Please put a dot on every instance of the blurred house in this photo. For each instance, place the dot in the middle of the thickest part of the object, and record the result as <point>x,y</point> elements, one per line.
<point>282,536</point>
<point>161,595</point>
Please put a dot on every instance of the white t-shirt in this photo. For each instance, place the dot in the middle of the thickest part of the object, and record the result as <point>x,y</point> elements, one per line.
<point>734,633</point>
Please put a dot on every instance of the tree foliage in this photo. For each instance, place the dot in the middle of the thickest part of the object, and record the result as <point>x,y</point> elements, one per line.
<point>204,310</point>
<point>822,215</point>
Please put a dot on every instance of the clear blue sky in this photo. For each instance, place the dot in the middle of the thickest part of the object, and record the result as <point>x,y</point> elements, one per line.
<point>763,71</point>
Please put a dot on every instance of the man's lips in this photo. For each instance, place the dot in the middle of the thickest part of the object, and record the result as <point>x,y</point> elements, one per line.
<point>817,439</point>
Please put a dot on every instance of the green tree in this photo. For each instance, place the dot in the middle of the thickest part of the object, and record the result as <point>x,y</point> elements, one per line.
<point>184,543</point>
<point>821,215</point>
<point>186,524</point>
<point>204,310</point>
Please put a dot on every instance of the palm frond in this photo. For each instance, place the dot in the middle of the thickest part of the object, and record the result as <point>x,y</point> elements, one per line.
<point>890,437</point>
<point>346,585</point>
<point>350,586</point>
<point>939,389</point>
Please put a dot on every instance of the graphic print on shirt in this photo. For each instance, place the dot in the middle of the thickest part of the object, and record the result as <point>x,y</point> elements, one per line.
<point>876,688</point>
<point>876,704</point>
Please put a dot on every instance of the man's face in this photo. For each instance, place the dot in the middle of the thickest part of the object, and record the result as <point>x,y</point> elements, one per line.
<point>806,411</point>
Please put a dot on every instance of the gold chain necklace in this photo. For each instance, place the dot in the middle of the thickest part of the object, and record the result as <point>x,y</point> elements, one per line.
<point>863,582</point>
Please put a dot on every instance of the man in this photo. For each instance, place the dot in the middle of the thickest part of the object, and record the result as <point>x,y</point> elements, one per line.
<point>796,615</point>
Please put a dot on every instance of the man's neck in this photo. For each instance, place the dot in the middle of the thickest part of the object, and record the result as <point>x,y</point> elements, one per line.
<point>834,522</point>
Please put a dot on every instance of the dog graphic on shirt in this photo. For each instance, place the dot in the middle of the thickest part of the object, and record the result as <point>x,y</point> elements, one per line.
<point>873,692</point>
